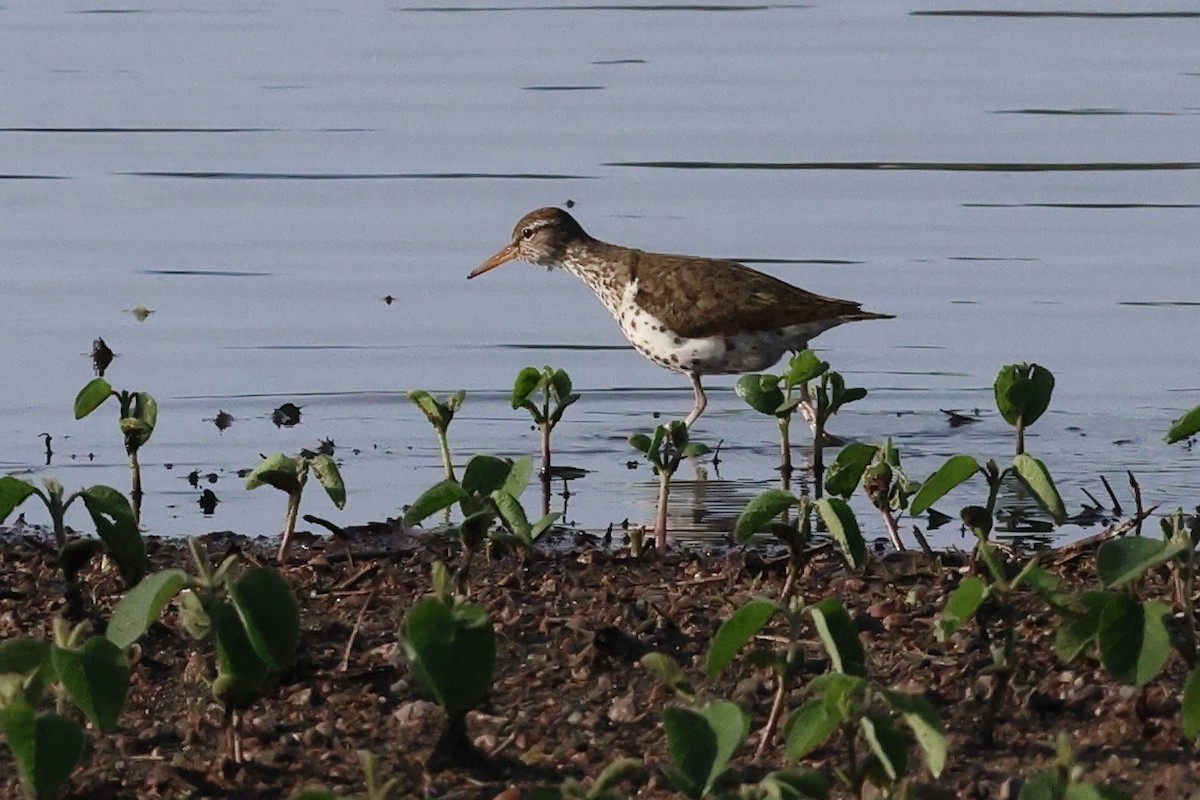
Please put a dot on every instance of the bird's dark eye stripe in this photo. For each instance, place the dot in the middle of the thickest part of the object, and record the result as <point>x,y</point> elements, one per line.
<point>527,233</point>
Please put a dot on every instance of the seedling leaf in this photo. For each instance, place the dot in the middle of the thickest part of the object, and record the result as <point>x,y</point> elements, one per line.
<point>519,473</point>
<point>45,746</point>
<point>1122,560</point>
<point>97,679</point>
<point>1036,478</point>
<point>1185,427</point>
<point>761,510</point>
<point>949,475</point>
<point>702,741</point>
<point>887,743</point>
<point>241,672</point>
<point>267,608</point>
<point>1080,624</point>
<point>142,605</point>
<point>485,474</point>
<point>115,524</point>
<point>735,632</point>
<point>280,471</point>
<point>441,495</point>
<point>804,367</point>
<point>1023,392</point>
<point>528,381</point>
<point>667,670</point>
<point>76,554</point>
<point>330,477</point>
<point>91,396</point>
<point>847,471</point>
<point>926,725</point>
<point>761,392</point>
<point>840,637</point>
<point>1134,642</point>
<point>22,656</point>
<point>13,492</point>
<point>1191,705</point>
<point>962,604</point>
<point>452,651</point>
<point>808,727</point>
<point>843,527</point>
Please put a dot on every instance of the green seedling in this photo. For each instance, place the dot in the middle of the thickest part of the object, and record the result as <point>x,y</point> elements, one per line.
<point>606,786</point>
<point>112,516</point>
<point>877,468</point>
<point>1064,781</point>
<point>250,615</point>
<point>701,736</point>
<point>377,787</point>
<point>554,388</point>
<point>776,395</point>
<point>490,490</point>
<point>1185,427</point>
<point>846,700</point>
<point>92,674</point>
<point>451,648</point>
<point>289,475</point>
<point>763,513</point>
<point>440,414</point>
<point>664,450</point>
<point>138,415</point>
<point>1023,394</point>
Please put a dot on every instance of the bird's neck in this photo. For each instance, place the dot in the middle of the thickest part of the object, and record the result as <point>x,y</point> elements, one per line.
<point>604,267</point>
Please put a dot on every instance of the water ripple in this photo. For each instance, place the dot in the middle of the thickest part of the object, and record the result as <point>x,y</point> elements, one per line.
<point>358,176</point>
<point>921,166</point>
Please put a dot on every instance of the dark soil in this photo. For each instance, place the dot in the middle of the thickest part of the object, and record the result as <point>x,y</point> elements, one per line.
<point>569,695</point>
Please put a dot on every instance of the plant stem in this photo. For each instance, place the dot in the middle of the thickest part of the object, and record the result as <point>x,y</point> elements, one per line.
<point>545,468</point>
<point>289,520</point>
<point>893,529</point>
<point>785,445</point>
<point>818,458</point>
<point>444,445</point>
<point>660,520</point>
<point>135,492</point>
<point>1020,436</point>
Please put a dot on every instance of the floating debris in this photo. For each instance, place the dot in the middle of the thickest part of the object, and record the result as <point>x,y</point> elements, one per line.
<point>140,313</point>
<point>223,420</point>
<point>389,299</point>
<point>49,453</point>
<point>286,416</point>
<point>957,420</point>
<point>102,356</point>
<point>208,502</point>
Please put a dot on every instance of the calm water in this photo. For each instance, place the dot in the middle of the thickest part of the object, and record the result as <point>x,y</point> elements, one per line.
<point>1013,183</point>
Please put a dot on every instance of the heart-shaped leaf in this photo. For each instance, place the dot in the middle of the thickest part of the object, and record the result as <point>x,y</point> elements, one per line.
<point>97,679</point>
<point>267,607</point>
<point>142,605</point>
<point>115,524</point>
<point>735,632</point>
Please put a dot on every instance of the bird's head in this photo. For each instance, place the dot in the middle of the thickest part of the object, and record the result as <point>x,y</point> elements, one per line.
<point>542,237</point>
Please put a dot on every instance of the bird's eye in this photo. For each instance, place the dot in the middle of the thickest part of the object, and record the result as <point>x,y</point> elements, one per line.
<point>527,233</point>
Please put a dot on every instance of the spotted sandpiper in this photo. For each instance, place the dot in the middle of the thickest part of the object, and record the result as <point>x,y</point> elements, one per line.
<point>698,316</point>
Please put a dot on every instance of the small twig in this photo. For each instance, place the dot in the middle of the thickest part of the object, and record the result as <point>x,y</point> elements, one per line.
<point>1095,503</point>
<point>512,737</point>
<point>1116,504</point>
<point>362,612</point>
<point>1137,498</point>
<point>346,583</point>
<point>922,541</point>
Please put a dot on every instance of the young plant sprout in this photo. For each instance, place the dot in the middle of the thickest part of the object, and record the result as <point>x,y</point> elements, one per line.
<point>1023,394</point>
<point>877,468</point>
<point>664,451</point>
<point>440,414</point>
<point>138,415</point>
<point>290,475</point>
<point>776,395</point>
<point>554,385</point>
<point>110,513</point>
<point>251,617</point>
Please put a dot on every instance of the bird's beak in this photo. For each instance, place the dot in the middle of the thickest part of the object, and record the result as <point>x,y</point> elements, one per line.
<point>507,254</point>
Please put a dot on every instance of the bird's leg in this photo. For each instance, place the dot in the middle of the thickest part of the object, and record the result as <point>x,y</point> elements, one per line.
<point>701,401</point>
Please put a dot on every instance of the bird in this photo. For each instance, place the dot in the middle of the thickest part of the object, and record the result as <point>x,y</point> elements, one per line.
<point>692,315</point>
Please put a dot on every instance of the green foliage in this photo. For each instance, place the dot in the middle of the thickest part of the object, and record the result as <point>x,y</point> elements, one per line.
<point>945,478</point>
<point>45,746</point>
<point>440,414</point>
<point>117,527</point>
<point>962,604</point>
<point>667,670</point>
<point>761,514</point>
<point>1064,780</point>
<point>452,649</point>
<point>13,492</point>
<point>1185,427</point>
<point>91,673</point>
<point>840,637</point>
<point>839,519</point>
<point>1023,393</point>
<point>1191,705</point>
<point>701,742</point>
<point>290,475</point>
<point>736,632</point>
<point>555,387</point>
<point>1036,478</point>
<point>668,446</point>
<point>251,617</point>
<point>605,787</point>
<point>490,489</point>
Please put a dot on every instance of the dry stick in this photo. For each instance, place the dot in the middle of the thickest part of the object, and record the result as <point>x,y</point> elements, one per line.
<point>1116,504</point>
<point>362,612</point>
<point>355,578</point>
<point>1137,498</point>
<point>1095,502</point>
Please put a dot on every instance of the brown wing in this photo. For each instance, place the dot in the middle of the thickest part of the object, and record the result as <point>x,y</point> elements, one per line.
<point>702,297</point>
